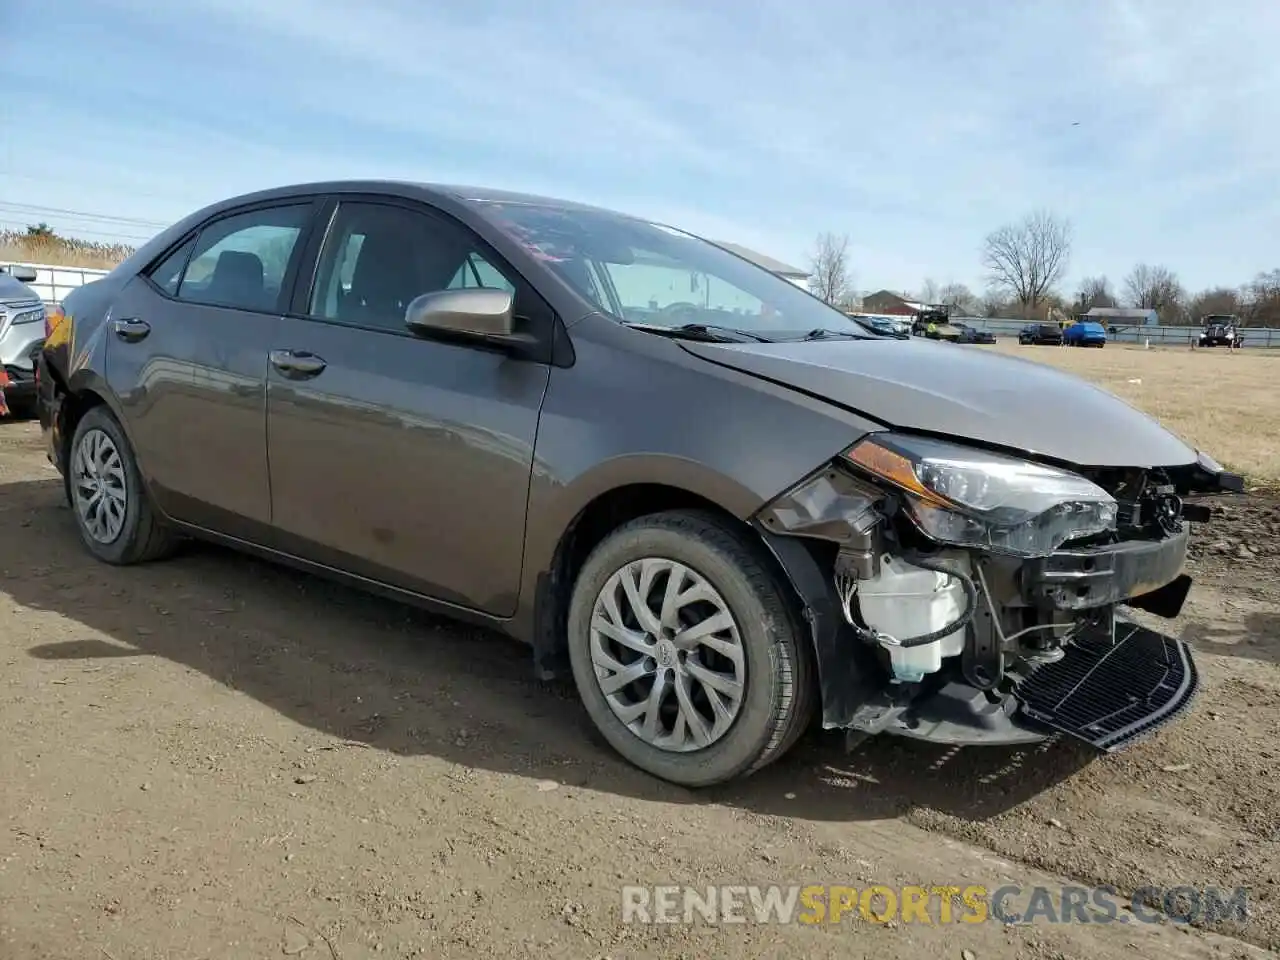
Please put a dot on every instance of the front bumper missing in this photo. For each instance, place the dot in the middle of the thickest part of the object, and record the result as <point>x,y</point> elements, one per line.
<point>1112,689</point>
<point>1108,691</point>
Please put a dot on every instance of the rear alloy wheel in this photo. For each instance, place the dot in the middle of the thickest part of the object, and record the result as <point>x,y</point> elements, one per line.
<point>686,653</point>
<point>112,509</point>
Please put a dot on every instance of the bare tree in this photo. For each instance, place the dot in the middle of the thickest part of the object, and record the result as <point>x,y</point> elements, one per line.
<point>1094,292</point>
<point>1219,300</point>
<point>831,279</point>
<point>1156,288</point>
<point>929,291</point>
<point>994,303</point>
<point>1024,260</point>
<point>1262,300</point>
<point>960,298</point>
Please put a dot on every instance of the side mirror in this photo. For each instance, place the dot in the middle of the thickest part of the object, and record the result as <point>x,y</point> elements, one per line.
<point>474,313</point>
<point>477,316</point>
<point>20,273</point>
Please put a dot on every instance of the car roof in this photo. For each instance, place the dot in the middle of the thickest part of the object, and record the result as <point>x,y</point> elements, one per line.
<point>425,190</point>
<point>449,197</point>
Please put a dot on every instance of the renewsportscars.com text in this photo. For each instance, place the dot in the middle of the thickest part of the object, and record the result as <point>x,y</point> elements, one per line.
<point>942,904</point>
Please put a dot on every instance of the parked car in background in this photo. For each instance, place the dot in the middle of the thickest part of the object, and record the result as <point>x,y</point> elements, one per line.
<point>473,400</point>
<point>887,326</point>
<point>1220,330</point>
<point>1041,333</point>
<point>1085,333</point>
<point>970,334</point>
<point>22,317</point>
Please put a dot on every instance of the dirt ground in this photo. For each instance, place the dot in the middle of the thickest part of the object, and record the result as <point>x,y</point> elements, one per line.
<point>215,758</point>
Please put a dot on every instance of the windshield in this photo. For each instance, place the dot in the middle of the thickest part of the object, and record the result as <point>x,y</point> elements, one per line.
<point>645,273</point>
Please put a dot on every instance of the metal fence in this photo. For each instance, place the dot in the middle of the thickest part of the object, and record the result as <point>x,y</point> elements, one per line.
<point>1158,335</point>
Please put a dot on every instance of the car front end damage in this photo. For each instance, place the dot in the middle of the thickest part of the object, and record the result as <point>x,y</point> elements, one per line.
<point>966,597</point>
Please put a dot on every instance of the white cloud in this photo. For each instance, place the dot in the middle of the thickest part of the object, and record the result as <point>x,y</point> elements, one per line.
<point>915,128</point>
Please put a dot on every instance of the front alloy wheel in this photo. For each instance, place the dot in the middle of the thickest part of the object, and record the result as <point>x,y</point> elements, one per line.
<point>667,655</point>
<point>687,651</point>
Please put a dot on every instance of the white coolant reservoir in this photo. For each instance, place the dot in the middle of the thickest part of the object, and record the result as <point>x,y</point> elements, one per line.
<point>906,601</point>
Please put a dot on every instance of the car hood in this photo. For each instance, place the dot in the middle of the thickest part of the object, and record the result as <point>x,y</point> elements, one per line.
<point>969,394</point>
<point>13,290</point>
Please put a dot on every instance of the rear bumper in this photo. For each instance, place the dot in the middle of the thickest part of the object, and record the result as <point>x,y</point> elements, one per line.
<point>49,409</point>
<point>22,383</point>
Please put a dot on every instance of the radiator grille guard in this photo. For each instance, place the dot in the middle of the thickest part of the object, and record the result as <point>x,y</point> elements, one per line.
<point>1112,691</point>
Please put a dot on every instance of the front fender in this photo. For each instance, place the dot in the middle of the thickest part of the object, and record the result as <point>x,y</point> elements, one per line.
<point>848,675</point>
<point>640,410</point>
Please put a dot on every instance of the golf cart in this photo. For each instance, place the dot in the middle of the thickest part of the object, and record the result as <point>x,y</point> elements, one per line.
<point>1219,330</point>
<point>934,322</point>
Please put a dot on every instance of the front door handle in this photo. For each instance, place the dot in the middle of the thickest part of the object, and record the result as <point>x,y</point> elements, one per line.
<point>297,363</point>
<point>131,330</point>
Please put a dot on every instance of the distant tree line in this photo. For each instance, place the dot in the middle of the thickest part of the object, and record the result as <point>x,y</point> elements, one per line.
<point>1025,264</point>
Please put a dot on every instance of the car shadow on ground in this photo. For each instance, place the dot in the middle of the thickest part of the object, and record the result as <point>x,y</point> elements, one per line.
<point>1257,639</point>
<point>381,674</point>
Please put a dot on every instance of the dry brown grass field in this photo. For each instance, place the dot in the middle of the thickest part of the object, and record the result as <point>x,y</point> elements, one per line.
<point>1226,402</point>
<point>58,255</point>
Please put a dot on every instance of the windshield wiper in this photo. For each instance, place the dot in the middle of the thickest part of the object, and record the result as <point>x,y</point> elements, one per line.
<point>703,331</point>
<point>824,334</point>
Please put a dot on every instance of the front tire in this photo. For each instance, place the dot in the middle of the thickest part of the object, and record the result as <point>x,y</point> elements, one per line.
<point>686,652</point>
<point>113,512</point>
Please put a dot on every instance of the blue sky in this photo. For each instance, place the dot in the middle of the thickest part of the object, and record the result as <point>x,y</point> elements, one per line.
<point>915,126</point>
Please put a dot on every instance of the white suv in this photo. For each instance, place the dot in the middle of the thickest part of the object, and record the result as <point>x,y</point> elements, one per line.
<point>22,316</point>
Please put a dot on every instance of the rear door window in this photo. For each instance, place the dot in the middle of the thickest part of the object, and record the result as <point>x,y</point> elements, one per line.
<point>241,261</point>
<point>167,274</point>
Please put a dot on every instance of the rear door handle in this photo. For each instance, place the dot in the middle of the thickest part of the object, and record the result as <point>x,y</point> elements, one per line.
<point>131,330</point>
<point>297,363</point>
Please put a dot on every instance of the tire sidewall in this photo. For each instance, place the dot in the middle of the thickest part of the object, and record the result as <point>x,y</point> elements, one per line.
<point>99,418</point>
<point>757,719</point>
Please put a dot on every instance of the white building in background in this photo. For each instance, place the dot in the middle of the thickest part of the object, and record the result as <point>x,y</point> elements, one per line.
<point>797,276</point>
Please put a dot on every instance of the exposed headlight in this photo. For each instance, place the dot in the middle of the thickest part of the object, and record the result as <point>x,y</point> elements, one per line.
<point>971,498</point>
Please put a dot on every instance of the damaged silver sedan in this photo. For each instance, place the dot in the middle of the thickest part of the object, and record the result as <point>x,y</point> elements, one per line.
<point>727,510</point>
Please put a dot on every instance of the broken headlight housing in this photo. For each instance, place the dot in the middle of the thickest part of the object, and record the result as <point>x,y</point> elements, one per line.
<point>971,498</point>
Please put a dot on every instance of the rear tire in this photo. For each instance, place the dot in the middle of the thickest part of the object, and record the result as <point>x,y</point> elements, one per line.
<point>761,655</point>
<point>113,511</point>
